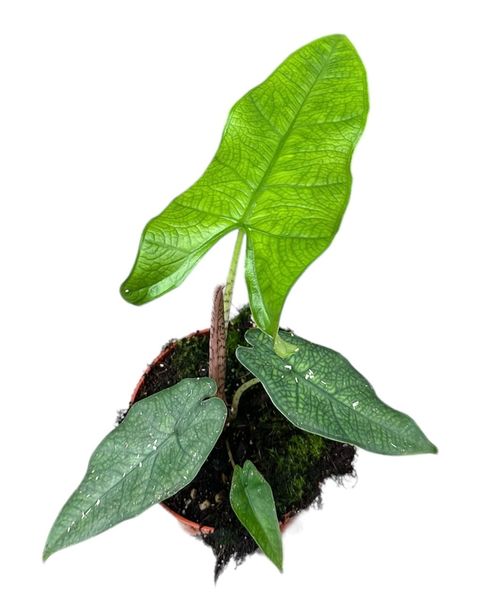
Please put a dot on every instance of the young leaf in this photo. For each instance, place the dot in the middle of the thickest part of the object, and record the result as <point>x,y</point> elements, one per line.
<point>157,450</point>
<point>281,173</point>
<point>252,501</point>
<point>319,391</point>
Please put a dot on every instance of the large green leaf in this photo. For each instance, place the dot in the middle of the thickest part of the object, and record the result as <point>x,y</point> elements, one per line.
<point>319,391</point>
<point>156,451</point>
<point>281,174</point>
<point>252,501</point>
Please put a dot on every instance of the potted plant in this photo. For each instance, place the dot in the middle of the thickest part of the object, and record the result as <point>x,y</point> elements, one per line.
<point>235,428</point>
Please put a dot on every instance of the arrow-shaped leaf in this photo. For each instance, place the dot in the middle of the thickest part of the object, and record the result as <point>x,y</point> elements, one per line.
<point>281,174</point>
<point>156,451</point>
<point>319,391</point>
<point>252,501</point>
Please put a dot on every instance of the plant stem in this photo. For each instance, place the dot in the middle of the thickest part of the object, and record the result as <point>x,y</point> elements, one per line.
<point>230,455</point>
<point>227,297</point>
<point>217,361</point>
<point>238,393</point>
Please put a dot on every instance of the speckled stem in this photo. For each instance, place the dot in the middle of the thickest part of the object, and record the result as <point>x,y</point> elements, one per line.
<point>217,364</point>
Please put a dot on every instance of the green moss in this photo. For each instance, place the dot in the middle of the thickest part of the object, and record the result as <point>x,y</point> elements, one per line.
<point>190,357</point>
<point>290,461</point>
<point>294,462</point>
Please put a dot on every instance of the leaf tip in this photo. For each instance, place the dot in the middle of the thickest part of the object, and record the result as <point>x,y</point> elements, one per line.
<point>338,36</point>
<point>248,465</point>
<point>46,553</point>
<point>137,291</point>
<point>426,446</point>
<point>422,446</point>
<point>128,294</point>
<point>277,561</point>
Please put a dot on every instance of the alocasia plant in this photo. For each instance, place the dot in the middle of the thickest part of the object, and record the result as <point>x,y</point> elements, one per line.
<point>281,177</point>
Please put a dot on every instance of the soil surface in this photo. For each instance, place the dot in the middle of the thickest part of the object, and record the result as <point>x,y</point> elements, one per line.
<point>294,462</point>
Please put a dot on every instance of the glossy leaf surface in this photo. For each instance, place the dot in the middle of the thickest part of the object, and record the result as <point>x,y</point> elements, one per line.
<point>281,173</point>
<point>156,451</point>
<point>319,391</point>
<point>252,501</point>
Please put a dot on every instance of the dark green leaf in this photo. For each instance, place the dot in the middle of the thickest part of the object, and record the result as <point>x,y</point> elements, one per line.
<point>319,391</point>
<point>156,451</point>
<point>281,173</point>
<point>252,501</point>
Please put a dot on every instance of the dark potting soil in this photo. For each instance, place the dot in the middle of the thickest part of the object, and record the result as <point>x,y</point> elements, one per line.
<point>294,462</point>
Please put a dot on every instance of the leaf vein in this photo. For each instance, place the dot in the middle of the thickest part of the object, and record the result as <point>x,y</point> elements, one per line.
<point>284,138</point>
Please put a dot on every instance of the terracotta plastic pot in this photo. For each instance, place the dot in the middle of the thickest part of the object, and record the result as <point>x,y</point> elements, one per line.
<point>192,527</point>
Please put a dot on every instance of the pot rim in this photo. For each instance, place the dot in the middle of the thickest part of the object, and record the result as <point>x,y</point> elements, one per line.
<point>166,350</point>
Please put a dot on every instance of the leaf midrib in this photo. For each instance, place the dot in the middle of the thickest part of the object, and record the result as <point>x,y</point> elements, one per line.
<point>116,484</point>
<point>256,193</point>
<point>331,399</point>
<point>145,458</point>
<point>334,402</point>
<point>263,530</point>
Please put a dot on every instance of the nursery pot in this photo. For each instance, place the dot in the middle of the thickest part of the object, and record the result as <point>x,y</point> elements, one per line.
<point>295,463</point>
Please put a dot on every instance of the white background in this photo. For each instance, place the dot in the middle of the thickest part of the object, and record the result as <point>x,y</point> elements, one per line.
<point>108,111</point>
